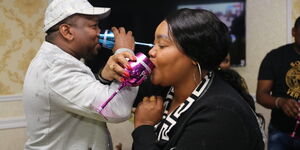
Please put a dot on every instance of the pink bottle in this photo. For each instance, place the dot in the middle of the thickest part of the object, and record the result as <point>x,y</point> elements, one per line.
<point>141,68</point>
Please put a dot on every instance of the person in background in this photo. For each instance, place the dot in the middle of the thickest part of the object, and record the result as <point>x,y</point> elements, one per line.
<point>61,93</point>
<point>226,63</point>
<point>239,83</point>
<point>201,110</point>
<point>278,88</point>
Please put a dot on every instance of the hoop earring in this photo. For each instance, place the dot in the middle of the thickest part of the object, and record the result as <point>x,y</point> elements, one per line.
<point>194,76</point>
<point>199,68</point>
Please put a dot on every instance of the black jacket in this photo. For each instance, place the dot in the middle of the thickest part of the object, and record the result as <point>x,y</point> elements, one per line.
<point>219,120</point>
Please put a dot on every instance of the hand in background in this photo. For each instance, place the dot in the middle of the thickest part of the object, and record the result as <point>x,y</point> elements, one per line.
<point>123,39</point>
<point>149,111</point>
<point>114,68</point>
<point>290,107</point>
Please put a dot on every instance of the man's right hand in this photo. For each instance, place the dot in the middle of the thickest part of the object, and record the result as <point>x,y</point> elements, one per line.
<point>122,39</point>
<point>289,106</point>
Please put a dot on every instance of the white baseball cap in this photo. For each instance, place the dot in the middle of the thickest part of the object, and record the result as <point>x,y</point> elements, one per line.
<point>58,10</point>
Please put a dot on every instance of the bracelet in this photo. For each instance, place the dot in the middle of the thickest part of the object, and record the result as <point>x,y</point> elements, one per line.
<point>102,80</point>
<point>277,102</point>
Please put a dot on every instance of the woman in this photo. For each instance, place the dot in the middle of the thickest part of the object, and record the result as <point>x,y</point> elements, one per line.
<point>201,110</point>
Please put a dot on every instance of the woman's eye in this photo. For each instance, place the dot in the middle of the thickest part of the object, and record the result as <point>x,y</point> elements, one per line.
<point>162,46</point>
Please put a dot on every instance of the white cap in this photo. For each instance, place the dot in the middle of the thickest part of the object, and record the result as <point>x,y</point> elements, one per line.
<point>58,10</point>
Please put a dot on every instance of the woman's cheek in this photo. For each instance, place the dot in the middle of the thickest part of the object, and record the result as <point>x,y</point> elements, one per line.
<point>155,78</point>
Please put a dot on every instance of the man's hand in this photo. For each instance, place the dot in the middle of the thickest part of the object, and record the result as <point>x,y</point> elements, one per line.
<point>289,106</point>
<point>122,39</point>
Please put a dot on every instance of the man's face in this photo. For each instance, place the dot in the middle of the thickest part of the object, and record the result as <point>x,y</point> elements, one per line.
<point>86,33</point>
<point>296,35</point>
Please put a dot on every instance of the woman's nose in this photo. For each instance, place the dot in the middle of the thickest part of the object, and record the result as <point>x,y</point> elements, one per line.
<point>152,52</point>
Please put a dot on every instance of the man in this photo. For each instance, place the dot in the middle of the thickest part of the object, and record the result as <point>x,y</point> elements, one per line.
<point>278,89</point>
<point>61,94</point>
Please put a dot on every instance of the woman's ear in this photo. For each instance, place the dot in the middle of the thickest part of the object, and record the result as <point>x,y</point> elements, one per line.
<point>194,62</point>
<point>65,31</point>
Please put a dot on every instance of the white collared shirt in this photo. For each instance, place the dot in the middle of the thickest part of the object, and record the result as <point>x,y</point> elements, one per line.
<point>58,93</point>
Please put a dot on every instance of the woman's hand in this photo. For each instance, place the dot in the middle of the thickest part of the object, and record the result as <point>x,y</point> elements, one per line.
<point>114,68</point>
<point>149,111</point>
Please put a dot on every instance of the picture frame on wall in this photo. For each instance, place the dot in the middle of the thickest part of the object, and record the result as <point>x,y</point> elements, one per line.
<point>232,14</point>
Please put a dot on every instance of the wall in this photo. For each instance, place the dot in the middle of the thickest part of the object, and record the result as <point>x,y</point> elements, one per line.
<point>268,26</point>
<point>20,37</point>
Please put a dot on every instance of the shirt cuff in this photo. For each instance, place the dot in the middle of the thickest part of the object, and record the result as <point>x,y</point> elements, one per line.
<point>120,50</point>
<point>102,80</point>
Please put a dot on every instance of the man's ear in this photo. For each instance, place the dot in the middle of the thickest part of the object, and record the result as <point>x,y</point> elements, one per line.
<point>65,31</point>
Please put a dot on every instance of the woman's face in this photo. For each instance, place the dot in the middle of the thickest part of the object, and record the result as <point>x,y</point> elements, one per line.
<point>225,64</point>
<point>172,66</point>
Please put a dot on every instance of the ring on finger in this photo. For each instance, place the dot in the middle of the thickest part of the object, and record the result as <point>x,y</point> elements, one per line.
<point>112,66</point>
<point>145,99</point>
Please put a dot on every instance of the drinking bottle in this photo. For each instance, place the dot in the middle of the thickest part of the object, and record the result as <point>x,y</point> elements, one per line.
<point>107,40</point>
<point>141,68</point>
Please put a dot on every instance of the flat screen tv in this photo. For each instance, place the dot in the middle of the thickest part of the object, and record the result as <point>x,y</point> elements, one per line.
<point>233,15</point>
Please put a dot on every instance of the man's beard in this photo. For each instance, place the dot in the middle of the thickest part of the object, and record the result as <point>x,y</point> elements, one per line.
<point>92,54</point>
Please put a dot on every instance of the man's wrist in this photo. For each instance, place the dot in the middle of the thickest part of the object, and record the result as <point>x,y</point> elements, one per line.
<point>102,80</point>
